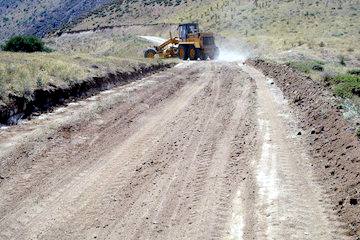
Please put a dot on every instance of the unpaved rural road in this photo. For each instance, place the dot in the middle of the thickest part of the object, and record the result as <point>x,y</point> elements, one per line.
<point>206,150</point>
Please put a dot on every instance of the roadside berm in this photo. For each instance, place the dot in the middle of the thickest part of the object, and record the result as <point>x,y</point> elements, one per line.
<point>331,139</point>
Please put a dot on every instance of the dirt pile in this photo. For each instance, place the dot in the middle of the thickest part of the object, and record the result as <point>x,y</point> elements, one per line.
<point>332,141</point>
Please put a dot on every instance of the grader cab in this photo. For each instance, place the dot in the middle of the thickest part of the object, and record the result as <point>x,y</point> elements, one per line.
<point>191,44</point>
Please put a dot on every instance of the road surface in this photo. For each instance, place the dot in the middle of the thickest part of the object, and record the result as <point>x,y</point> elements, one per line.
<point>206,150</point>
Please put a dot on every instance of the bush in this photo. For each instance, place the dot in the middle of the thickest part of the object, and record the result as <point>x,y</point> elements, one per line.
<point>25,44</point>
<point>318,67</point>
<point>346,85</point>
<point>355,71</point>
<point>342,60</point>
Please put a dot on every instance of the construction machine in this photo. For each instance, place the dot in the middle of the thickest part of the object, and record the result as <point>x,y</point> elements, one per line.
<point>190,44</point>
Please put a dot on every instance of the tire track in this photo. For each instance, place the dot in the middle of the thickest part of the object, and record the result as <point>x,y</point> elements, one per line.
<point>289,201</point>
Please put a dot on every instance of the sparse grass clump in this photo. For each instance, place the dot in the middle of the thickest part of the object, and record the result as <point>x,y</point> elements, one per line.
<point>342,60</point>
<point>345,83</point>
<point>25,44</point>
<point>307,66</point>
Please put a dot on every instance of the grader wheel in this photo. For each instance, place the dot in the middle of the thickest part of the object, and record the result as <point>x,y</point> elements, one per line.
<point>192,53</point>
<point>150,53</point>
<point>183,52</point>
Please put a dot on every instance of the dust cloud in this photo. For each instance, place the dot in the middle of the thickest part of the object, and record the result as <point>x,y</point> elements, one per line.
<point>227,55</point>
<point>234,51</point>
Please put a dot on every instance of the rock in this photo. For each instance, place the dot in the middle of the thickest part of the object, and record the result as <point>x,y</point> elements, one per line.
<point>353,201</point>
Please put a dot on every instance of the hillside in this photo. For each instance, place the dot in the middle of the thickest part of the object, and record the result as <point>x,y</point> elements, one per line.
<point>298,32</point>
<point>41,16</point>
<point>325,29</point>
<point>317,38</point>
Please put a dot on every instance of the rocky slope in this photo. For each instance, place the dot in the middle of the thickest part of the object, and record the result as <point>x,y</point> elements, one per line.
<point>41,16</point>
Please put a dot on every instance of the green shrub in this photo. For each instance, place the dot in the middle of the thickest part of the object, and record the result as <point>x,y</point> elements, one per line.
<point>358,132</point>
<point>354,71</point>
<point>25,44</point>
<point>342,60</point>
<point>346,85</point>
<point>318,67</point>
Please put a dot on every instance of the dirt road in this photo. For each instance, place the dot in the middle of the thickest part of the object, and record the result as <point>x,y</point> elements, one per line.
<point>206,150</point>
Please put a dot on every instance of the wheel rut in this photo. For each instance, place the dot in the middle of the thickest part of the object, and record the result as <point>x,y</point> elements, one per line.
<point>205,150</point>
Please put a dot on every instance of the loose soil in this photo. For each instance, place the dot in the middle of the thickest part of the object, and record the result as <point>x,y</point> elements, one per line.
<point>334,146</point>
<point>205,150</point>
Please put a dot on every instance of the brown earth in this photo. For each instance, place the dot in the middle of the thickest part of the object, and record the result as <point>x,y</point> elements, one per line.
<point>206,150</point>
<point>332,141</point>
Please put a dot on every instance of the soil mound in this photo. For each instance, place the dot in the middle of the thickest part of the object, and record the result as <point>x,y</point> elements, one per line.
<point>332,140</point>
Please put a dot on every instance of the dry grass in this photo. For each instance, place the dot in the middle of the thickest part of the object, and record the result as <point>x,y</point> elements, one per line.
<point>308,26</point>
<point>76,58</point>
<point>281,29</point>
<point>20,72</point>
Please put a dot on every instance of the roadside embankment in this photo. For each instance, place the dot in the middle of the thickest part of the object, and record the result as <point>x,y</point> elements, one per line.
<point>332,140</point>
<point>44,99</point>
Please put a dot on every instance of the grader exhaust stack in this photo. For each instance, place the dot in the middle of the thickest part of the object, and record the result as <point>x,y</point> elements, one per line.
<point>191,44</point>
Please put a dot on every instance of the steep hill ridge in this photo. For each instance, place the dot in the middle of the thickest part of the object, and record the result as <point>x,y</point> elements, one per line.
<point>39,17</point>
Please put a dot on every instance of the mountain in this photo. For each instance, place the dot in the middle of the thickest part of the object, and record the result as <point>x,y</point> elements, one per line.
<point>38,17</point>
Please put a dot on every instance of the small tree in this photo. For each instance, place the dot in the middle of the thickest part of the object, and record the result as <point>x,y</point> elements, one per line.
<point>25,44</point>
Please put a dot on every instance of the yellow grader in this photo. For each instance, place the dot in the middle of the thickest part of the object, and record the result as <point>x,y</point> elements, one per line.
<point>191,44</point>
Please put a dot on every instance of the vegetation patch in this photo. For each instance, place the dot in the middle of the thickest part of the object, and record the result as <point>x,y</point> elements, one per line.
<point>21,74</point>
<point>346,85</point>
<point>27,44</point>
<point>77,57</point>
<point>307,66</point>
<point>42,99</point>
<point>354,71</point>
